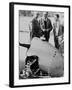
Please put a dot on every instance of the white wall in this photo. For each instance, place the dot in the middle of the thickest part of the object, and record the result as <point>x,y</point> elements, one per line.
<point>4,44</point>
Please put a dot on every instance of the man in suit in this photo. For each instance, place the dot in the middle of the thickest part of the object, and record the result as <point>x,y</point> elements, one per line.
<point>46,26</point>
<point>58,30</point>
<point>35,27</point>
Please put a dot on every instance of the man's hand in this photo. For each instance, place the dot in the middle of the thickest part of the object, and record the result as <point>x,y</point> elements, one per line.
<point>43,29</point>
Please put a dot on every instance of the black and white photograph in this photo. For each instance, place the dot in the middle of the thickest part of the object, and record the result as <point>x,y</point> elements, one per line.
<point>41,44</point>
<point>41,39</point>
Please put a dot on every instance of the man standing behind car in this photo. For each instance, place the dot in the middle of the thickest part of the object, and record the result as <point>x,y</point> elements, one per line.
<point>46,26</point>
<point>58,30</point>
<point>34,27</point>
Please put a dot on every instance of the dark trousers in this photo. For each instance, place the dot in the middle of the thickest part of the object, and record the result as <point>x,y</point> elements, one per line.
<point>56,42</point>
<point>47,35</point>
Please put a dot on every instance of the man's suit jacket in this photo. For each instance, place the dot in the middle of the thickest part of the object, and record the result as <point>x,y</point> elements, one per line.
<point>48,24</point>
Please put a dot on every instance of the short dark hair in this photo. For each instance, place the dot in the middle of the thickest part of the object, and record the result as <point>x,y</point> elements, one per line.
<point>57,15</point>
<point>46,13</point>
